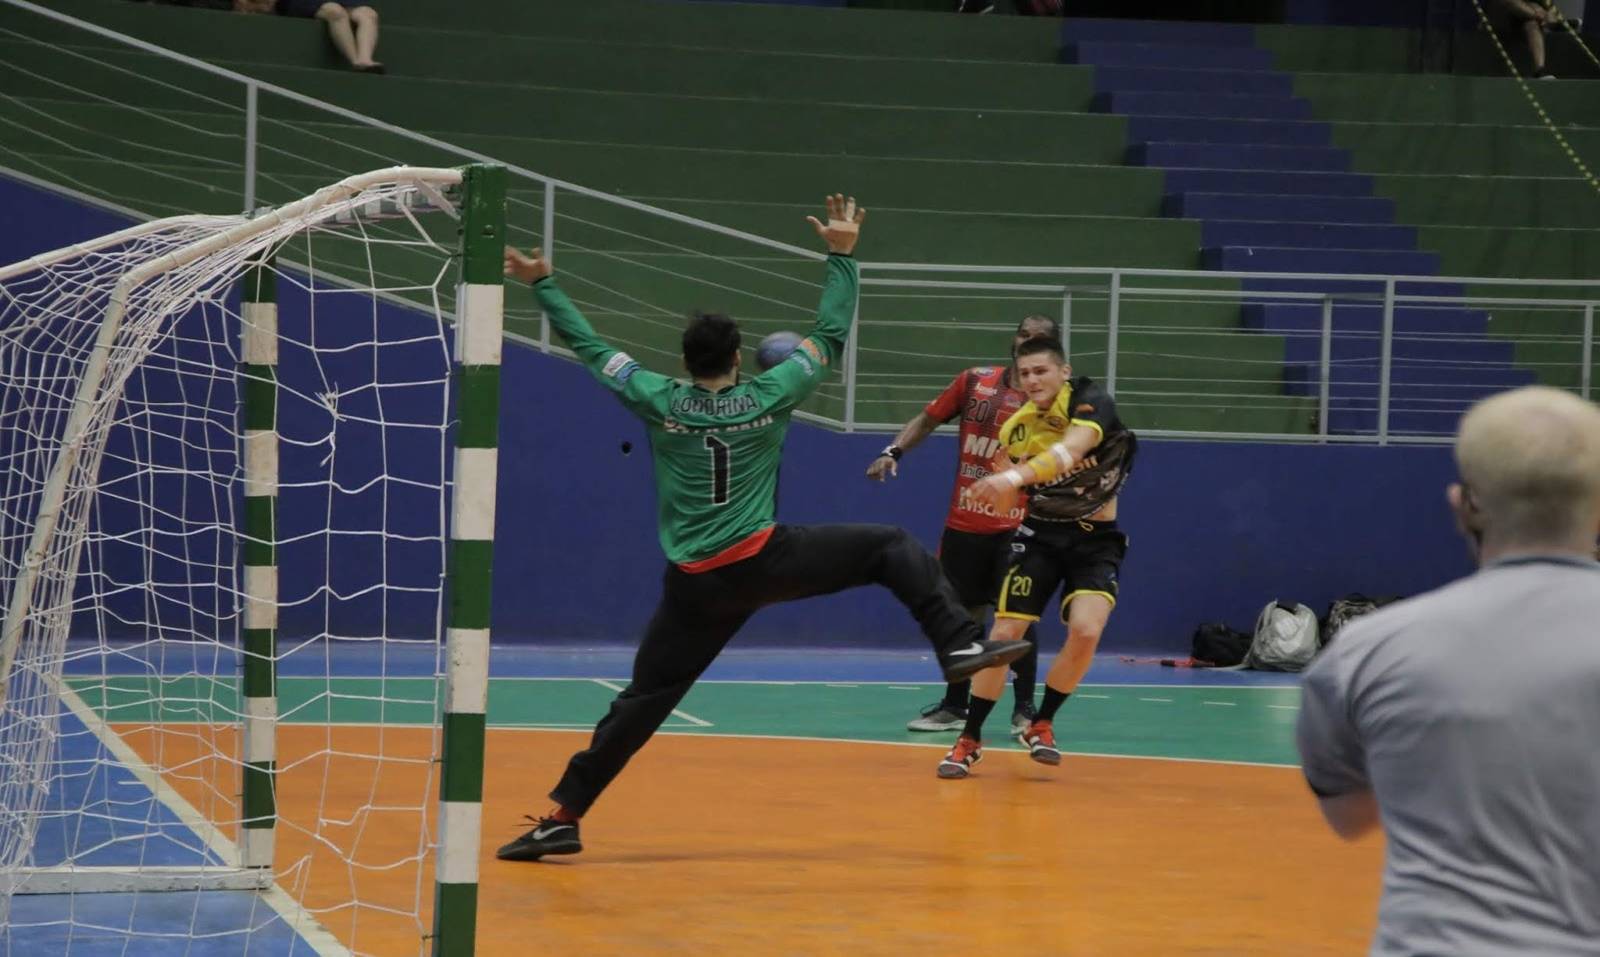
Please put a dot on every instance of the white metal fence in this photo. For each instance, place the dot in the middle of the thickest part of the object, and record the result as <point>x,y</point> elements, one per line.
<point>1289,357</point>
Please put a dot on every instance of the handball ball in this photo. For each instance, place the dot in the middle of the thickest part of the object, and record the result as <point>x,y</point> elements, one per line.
<point>775,348</point>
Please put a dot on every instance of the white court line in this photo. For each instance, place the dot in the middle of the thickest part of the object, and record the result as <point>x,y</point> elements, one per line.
<point>1203,686</point>
<point>828,684</point>
<point>939,745</point>
<point>1222,704</point>
<point>531,725</point>
<point>1160,700</point>
<point>1082,695</point>
<point>905,687</point>
<point>1285,707</point>
<point>697,722</point>
<point>945,746</point>
<point>300,921</point>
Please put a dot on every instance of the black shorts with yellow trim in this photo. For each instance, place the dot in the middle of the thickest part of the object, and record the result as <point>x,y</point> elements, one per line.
<point>1080,558</point>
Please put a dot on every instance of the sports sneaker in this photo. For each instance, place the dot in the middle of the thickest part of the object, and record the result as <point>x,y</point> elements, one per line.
<point>1040,740</point>
<point>958,763</point>
<point>962,663</point>
<point>548,836</point>
<point>1022,716</point>
<point>939,717</point>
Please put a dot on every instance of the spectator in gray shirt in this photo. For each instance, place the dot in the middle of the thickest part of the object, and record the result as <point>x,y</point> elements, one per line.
<point>1467,720</point>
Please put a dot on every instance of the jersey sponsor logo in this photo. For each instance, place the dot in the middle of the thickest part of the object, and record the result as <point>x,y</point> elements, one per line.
<point>982,389</point>
<point>983,370</point>
<point>1016,514</point>
<point>805,363</point>
<point>714,404</point>
<point>620,367</point>
<point>982,446</point>
<point>810,349</point>
<point>678,428</point>
<point>1082,465</point>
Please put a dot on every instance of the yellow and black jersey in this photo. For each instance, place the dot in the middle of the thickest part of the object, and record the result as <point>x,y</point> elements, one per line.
<point>1093,480</point>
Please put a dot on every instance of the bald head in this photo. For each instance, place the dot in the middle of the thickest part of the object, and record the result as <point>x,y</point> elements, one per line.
<point>1530,461</point>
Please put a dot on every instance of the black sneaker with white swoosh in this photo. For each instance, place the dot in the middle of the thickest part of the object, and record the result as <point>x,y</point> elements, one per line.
<point>964,662</point>
<point>548,836</point>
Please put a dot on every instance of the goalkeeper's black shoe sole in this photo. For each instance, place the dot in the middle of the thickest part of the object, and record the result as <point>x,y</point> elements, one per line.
<point>549,837</point>
<point>963,663</point>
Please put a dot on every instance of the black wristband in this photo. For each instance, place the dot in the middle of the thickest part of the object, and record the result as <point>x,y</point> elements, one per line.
<point>892,451</point>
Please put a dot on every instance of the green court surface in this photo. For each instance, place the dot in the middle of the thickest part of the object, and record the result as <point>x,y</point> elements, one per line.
<point>1251,724</point>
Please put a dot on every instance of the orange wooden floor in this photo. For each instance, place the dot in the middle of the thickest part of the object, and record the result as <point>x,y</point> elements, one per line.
<point>769,847</point>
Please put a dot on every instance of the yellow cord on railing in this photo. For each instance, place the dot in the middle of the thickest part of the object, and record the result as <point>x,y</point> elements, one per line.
<point>1527,91</point>
<point>1561,18</point>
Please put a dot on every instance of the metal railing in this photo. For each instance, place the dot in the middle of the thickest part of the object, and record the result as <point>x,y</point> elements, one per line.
<point>1421,334</point>
<point>1376,359</point>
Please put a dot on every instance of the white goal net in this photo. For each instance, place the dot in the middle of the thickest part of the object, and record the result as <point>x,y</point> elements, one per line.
<point>224,515</point>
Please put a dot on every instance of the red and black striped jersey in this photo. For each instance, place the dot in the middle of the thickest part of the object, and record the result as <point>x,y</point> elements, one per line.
<point>983,399</point>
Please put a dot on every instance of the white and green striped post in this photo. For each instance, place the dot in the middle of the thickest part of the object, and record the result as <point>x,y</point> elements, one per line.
<point>480,304</point>
<point>259,401</point>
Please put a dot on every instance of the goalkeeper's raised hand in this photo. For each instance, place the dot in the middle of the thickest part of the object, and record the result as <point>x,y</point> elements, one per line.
<point>844,224</point>
<point>528,268</point>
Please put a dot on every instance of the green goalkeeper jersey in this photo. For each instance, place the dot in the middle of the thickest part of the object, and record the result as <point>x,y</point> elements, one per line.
<point>716,454</point>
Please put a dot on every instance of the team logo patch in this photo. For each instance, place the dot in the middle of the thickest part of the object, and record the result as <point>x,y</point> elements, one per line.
<point>810,349</point>
<point>620,367</point>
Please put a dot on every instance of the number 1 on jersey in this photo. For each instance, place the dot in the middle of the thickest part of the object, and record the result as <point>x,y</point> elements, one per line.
<point>719,469</point>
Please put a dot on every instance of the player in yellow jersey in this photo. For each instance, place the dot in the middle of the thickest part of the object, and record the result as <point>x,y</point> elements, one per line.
<point>1073,454</point>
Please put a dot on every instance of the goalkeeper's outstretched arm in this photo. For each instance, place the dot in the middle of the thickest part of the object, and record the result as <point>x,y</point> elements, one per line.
<point>639,389</point>
<point>788,383</point>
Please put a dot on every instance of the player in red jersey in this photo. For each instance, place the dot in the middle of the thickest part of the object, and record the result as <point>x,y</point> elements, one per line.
<point>976,545</point>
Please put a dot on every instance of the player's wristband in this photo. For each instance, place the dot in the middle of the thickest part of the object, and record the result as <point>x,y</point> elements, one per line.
<point>1014,476</point>
<point>1064,458</point>
<point>892,451</point>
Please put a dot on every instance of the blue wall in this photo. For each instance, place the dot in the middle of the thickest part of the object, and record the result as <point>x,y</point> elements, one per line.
<point>1357,13</point>
<point>1217,529</point>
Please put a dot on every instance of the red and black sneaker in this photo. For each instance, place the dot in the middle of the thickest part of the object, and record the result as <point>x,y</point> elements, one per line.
<point>1040,740</point>
<point>958,763</point>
